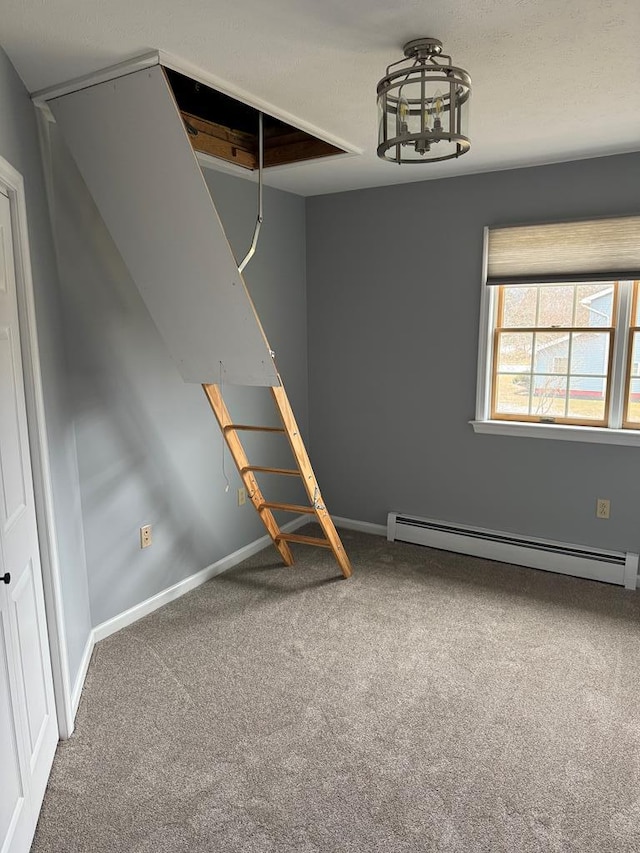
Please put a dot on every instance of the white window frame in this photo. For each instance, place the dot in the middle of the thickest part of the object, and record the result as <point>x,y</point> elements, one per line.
<point>613,434</point>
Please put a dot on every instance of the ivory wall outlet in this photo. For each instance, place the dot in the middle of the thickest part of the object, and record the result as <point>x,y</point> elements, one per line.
<point>145,536</point>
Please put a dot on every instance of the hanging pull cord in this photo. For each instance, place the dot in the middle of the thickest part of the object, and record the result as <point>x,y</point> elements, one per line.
<point>256,232</point>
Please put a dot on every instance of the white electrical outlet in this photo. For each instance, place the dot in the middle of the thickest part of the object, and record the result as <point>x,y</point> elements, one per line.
<point>603,507</point>
<point>242,496</point>
<point>145,536</point>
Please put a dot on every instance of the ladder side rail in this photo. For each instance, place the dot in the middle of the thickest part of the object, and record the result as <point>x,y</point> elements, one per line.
<point>308,477</point>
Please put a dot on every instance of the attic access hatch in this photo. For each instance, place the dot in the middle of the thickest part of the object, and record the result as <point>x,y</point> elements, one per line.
<point>152,197</point>
<point>224,127</point>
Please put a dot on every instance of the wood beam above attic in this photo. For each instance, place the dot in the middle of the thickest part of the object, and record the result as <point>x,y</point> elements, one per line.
<point>234,146</point>
<point>224,127</point>
<point>238,147</point>
<point>295,147</point>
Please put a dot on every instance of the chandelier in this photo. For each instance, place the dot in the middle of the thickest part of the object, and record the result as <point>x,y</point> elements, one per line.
<point>423,106</point>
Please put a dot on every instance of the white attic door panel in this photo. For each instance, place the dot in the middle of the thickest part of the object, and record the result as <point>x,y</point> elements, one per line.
<point>133,152</point>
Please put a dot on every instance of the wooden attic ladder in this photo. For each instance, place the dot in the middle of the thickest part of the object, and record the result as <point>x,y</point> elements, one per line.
<point>169,234</point>
<point>231,432</point>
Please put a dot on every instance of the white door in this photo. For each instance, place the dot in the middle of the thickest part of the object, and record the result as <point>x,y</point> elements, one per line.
<point>28,725</point>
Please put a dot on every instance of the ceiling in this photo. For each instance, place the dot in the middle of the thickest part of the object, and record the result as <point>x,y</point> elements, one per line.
<point>552,80</point>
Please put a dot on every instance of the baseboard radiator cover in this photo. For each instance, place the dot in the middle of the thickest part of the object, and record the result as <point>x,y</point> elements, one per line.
<point>616,567</point>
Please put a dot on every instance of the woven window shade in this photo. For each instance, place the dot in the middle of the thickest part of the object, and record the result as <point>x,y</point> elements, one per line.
<point>594,250</point>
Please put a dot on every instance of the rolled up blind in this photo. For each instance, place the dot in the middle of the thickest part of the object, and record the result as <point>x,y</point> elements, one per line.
<point>591,250</point>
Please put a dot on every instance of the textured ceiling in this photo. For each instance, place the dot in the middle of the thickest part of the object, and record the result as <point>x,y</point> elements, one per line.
<point>552,80</point>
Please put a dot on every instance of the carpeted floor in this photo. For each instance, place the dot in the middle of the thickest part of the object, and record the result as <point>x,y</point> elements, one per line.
<point>432,704</point>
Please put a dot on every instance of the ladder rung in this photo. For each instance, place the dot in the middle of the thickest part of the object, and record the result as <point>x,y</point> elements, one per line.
<point>252,428</point>
<point>287,472</point>
<point>304,540</point>
<point>287,507</point>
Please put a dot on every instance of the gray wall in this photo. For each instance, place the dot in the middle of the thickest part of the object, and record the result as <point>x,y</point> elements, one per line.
<point>149,449</point>
<point>394,296</point>
<point>19,145</point>
<point>276,275</point>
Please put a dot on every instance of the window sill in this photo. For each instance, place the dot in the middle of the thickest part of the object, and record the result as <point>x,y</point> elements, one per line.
<point>559,432</point>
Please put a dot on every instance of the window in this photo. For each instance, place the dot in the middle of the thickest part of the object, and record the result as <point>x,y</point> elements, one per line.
<point>560,336</point>
<point>548,364</point>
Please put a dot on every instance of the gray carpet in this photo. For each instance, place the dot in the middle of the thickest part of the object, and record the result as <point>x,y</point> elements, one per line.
<point>431,703</point>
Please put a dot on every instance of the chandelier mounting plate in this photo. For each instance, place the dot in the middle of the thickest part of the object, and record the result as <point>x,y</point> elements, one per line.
<point>422,48</point>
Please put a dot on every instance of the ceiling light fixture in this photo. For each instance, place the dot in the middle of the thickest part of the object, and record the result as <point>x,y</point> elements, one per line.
<point>423,106</point>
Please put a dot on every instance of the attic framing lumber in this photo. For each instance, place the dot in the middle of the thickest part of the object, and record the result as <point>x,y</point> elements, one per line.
<point>208,137</point>
<point>241,148</point>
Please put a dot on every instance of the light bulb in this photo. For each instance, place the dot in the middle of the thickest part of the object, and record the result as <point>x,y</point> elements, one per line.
<point>438,109</point>
<point>403,112</point>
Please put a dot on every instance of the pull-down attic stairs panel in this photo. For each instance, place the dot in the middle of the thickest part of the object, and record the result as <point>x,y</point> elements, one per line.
<point>131,147</point>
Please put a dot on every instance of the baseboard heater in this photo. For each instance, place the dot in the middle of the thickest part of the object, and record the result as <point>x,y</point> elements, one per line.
<point>614,567</point>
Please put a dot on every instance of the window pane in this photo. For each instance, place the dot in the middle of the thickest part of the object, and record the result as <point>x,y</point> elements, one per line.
<point>633,414</point>
<point>590,353</point>
<point>636,321</point>
<point>556,305</point>
<point>551,351</point>
<point>549,396</point>
<point>514,352</point>
<point>635,355</point>
<point>587,398</point>
<point>594,305</point>
<point>519,306</point>
<point>512,394</point>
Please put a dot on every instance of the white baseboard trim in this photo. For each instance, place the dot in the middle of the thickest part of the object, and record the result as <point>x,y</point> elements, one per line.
<point>128,617</point>
<point>82,673</point>
<point>361,526</point>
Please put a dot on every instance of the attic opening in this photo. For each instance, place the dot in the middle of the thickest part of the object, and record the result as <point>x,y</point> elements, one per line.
<point>224,127</point>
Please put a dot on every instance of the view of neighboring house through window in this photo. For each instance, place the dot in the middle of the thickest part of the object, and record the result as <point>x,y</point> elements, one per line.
<point>553,352</point>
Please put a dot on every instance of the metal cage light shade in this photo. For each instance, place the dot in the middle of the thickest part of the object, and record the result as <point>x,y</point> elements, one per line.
<point>423,106</point>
